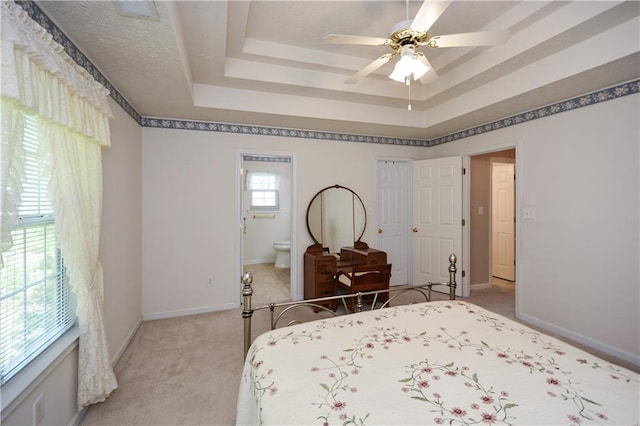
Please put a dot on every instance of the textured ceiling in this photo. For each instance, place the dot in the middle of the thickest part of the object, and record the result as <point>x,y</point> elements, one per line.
<point>265,62</point>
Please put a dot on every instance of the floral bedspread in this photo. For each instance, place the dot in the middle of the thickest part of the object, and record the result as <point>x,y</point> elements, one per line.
<point>446,362</point>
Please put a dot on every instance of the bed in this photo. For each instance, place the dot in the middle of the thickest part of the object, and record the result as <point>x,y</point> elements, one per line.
<point>436,362</point>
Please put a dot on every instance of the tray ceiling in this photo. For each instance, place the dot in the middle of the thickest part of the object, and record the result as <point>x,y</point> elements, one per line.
<point>265,62</point>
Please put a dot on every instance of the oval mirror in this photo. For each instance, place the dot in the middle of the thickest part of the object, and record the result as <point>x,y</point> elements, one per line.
<point>336,218</point>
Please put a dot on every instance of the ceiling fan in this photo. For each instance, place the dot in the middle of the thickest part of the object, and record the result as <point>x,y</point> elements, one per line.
<point>407,36</point>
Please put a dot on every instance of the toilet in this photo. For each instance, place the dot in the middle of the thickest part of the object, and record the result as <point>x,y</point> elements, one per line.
<point>283,259</point>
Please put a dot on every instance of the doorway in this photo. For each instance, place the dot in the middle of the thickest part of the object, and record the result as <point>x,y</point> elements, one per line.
<point>482,208</point>
<point>266,236</point>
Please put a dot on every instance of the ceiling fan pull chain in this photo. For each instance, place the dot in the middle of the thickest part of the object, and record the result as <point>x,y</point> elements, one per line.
<point>409,84</point>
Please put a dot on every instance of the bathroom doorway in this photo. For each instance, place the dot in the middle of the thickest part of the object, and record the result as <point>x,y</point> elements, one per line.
<point>267,210</point>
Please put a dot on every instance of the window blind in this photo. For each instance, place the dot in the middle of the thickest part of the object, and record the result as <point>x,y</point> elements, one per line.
<point>36,304</point>
<point>263,188</point>
<point>262,181</point>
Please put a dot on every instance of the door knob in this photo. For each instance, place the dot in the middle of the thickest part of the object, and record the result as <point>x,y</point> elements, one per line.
<point>379,230</point>
<point>415,229</point>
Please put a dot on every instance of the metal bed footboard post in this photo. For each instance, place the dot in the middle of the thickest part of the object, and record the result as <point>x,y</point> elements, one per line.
<point>247,312</point>
<point>452,279</point>
<point>452,276</point>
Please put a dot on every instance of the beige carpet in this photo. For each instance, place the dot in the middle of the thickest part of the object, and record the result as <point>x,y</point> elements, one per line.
<point>269,284</point>
<point>186,371</point>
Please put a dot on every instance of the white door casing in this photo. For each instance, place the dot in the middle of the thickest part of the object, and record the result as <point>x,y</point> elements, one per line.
<point>437,219</point>
<point>503,221</point>
<point>393,217</point>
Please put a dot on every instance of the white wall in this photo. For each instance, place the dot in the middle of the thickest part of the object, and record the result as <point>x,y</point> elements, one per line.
<point>189,195</point>
<point>121,239</point>
<point>120,255</point>
<point>577,262</point>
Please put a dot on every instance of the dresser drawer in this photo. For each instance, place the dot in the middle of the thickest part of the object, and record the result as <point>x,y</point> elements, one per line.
<point>325,272</point>
<point>324,289</point>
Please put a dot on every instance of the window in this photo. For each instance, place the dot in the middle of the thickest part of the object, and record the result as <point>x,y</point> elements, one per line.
<point>263,190</point>
<point>36,304</point>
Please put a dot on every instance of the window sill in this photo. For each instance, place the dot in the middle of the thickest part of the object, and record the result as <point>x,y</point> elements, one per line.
<point>23,383</point>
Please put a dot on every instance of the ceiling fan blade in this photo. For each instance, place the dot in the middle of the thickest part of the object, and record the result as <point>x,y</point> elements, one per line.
<point>430,75</point>
<point>429,13</point>
<point>484,38</point>
<point>354,39</point>
<point>369,68</point>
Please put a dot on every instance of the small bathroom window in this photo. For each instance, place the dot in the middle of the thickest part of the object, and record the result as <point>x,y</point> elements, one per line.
<point>263,191</point>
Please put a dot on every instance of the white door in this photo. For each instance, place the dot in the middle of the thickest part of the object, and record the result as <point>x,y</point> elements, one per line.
<point>393,217</point>
<point>437,219</point>
<point>503,221</point>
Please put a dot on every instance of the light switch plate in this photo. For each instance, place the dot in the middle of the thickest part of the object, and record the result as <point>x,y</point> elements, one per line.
<point>529,213</point>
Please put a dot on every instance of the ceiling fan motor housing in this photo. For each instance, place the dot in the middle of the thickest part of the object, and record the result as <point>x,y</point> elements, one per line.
<point>402,34</point>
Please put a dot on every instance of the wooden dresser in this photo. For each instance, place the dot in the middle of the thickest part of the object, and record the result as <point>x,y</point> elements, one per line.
<point>321,267</point>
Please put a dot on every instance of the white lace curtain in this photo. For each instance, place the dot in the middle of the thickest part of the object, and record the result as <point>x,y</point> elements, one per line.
<point>39,77</point>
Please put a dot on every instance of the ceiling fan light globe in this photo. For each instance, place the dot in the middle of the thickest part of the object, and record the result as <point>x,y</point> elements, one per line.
<point>418,68</point>
<point>406,66</point>
<point>403,68</point>
<point>397,77</point>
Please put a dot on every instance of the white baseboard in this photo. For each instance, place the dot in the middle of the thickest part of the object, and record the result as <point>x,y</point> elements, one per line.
<point>259,261</point>
<point>603,347</point>
<point>480,286</point>
<point>125,344</point>
<point>186,312</point>
<point>77,418</point>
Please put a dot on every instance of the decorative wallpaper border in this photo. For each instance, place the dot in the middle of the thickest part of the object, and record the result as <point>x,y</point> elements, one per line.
<point>599,96</point>
<point>207,126</point>
<point>266,158</point>
<point>603,95</point>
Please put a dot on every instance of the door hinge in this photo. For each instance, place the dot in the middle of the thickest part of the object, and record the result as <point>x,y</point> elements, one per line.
<point>464,274</point>
<point>463,222</point>
<point>464,171</point>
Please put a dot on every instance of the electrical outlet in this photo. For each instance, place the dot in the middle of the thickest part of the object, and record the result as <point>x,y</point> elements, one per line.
<point>38,410</point>
<point>210,281</point>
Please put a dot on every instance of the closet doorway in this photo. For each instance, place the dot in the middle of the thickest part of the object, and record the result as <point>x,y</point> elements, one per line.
<point>267,212</point>
<point>492,218</point>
